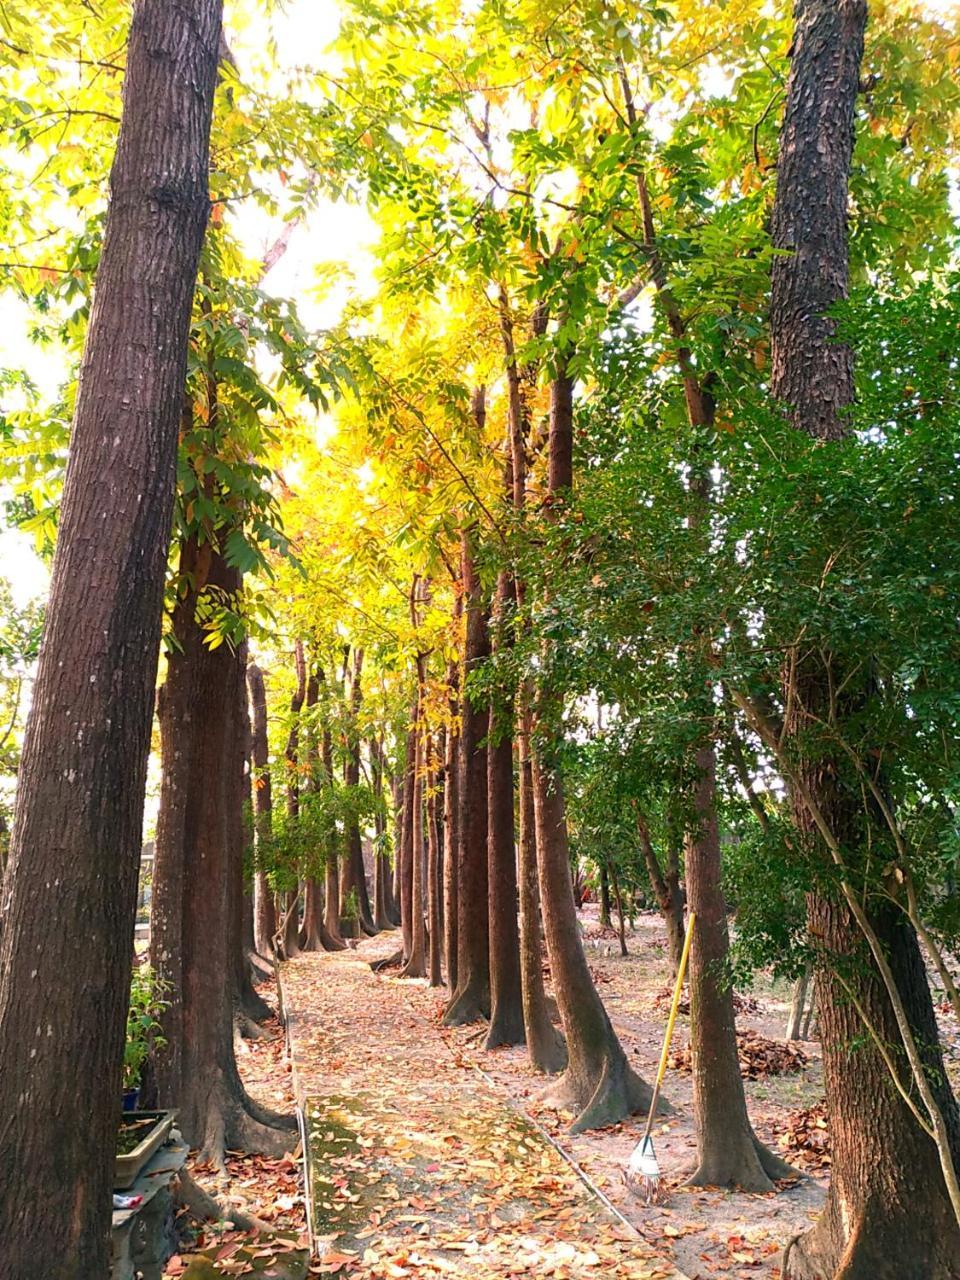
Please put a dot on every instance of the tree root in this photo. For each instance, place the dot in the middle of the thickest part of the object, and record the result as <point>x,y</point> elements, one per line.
<point>246,1027</point>
<point>547,1050</point>
<point>746,1165</point>
<point>262,968</point>
<point>203,1207</point>
<point>388,962</point>
<point>469,1004</point>
<point>617,1093</point>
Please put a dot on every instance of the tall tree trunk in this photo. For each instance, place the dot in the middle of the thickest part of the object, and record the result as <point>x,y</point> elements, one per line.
<point>506,993</point>
<point>405,856</point>
<point>313,932</point>
<point>451,829</point>
<point>251,1006</point>
<point>177,814</point>
<point>416,966</point>
<point>331,864</point>
<point>264,911</point>
<point>353,877</point>
<point>434,871</point>
<point>729,1153</point>
<point>383,913</point>
<point>598,1086</point>
<point>75,845</point>
<point>471,998</point>
<point>666,889</point>
<point>884,1166</point>
<point>197,1070</point>
<point>604,896</point>
<point>718,1128</point>
<point>545,1044</point>
<point>289,923</point>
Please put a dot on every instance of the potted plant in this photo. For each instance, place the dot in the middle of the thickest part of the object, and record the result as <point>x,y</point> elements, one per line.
<point>143,1030</point>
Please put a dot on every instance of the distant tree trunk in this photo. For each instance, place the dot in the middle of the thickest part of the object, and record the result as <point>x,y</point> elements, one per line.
<point>289,923</point>
<point>405,859</point>
<point>604,896</point>
<point>434,882</point>
<point>883,1165</point>
<point>451,829</point>
<point>177,813</point>
<point>313,932</point>
<point>353,877</point>
<point>666,888</point>
<point>730,1154</point>
<point>471,999</point>
<point>506,993</point>
<point>798,1004</point>
<point>197,1070</point>
<point>75,846</point>
<point>598,1086</point>
<point>264,912</point>
<point>251,1006</point>
<point>416,966</point>
<point>618,898</point>
<point>331,866</point>
<point>383,913</point>
<point>545,1044</point>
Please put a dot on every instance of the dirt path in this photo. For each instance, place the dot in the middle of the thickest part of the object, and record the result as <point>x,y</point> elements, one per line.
<point>420,1167</point>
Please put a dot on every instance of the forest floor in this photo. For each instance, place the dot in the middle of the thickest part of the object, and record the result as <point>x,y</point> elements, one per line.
<point>705,1233</point>
<point>420,1166</point>
<point>432,1156</point>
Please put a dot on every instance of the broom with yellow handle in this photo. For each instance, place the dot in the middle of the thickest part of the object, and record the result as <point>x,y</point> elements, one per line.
<point>643,1172</point>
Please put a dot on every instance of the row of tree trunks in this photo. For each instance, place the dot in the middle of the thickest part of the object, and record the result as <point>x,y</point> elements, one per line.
<point>887,1211</point>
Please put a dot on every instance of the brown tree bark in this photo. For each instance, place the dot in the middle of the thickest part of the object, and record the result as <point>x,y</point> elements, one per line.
<point>196,1070</point>
<point>251,1006</point>
<point>809,371</point>
<point>287,938</point>
<point>434,870</point>
<point>546,1046</point>
<point>405,857</point>
<point>665,883</point>
<point>729,1153</point>
<point>384,913</point>
<point>264,911</point>
<point>331,866</point>
<point>451,829</point>
<point>471,998</point>
<point>884,1164</point>
<point>314,935</point>
<point>76,839</point>
<point>353,877</point>
<point>506,994</point>
<point>416,965</point>
<point>604,896</point>
<point>598,1086</point>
